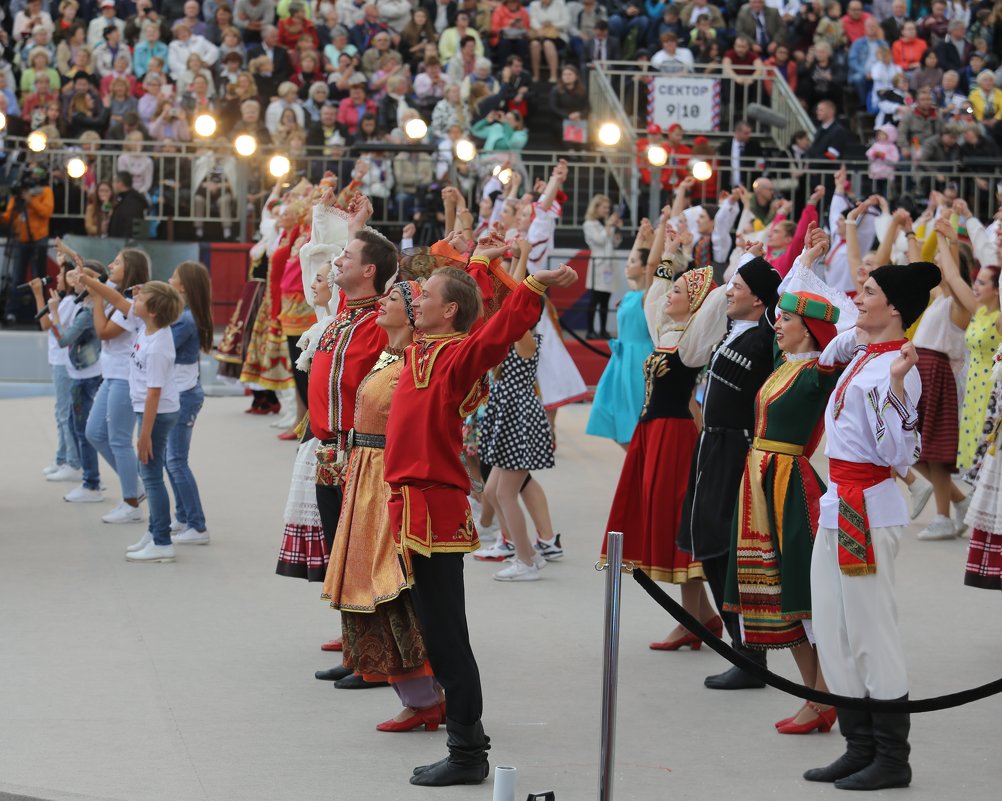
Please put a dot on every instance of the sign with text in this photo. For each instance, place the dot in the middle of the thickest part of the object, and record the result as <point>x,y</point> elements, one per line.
<point>694,103</point>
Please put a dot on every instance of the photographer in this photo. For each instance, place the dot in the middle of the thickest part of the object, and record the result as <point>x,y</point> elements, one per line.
<point>27,219</point>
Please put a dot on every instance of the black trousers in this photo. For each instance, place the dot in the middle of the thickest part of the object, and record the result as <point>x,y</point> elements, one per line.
<point>715,570</point>
<point>329,504</point>
<point>301,377</point>
<point>440,603</point>
<point>598,301</point>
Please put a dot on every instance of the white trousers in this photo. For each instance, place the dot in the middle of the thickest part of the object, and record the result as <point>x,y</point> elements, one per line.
<point>855,619</point>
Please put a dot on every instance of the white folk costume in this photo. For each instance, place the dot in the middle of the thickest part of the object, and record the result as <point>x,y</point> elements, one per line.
<point>559,380</point>
<point>872,435</point>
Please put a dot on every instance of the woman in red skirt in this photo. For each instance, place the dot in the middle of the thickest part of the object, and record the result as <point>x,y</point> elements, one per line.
<point>647,506</point>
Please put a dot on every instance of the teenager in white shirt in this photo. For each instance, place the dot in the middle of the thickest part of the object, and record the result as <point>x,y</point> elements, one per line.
<point>155,400</point>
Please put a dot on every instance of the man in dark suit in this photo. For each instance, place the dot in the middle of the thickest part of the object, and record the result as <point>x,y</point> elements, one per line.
<point>954,51</point>
<point>893,24</point>
<point>762,25</point>
<point>739,157</point>
<point>603,46</point>
<point>281,66</point>
<point>130,206</point>
<point>833,143</point>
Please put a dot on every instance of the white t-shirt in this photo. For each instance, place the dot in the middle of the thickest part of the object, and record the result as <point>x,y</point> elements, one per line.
<point>152,366</point>
<point>58,354</point>
<point>116,353</point>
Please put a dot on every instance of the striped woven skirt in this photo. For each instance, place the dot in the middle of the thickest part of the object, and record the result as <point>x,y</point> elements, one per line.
<point>984,561</point>
<point>939,417</point>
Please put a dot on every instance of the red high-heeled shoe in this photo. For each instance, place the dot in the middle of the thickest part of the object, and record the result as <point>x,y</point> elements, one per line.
<point>332,645</point>
<point>823,722</point>
<point>430,718</point>
<point>288,436</point>
<point>716,626</point>
<point>673,645</point>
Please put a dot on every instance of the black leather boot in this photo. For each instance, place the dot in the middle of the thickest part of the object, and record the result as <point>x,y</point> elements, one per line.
<point>889,767</point>
<point>857,728</point>
<point>735,678</point>
<point>467,760</point>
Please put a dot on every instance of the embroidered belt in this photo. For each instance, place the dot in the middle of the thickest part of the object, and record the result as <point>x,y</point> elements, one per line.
<point>772,446</point>
<point>358,440</point>
<point>855,545</point>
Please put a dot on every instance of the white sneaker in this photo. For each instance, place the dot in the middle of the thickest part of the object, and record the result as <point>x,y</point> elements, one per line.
<point>959,513</point>
<point>518,571</point>
<point>65,473</point>
<point>52,468</point>
<point>498,552</point>
<point>147,539</point>
<point>151,553</point>
<point>191,537</point>
<point>920,491</point>
<point>83,495</point>
<point>124,513</point>
<point>175,527</point>
<point>941,528</point>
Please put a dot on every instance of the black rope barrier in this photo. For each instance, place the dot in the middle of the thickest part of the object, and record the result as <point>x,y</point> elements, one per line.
<point>673,608</point>
<point>582,340</point>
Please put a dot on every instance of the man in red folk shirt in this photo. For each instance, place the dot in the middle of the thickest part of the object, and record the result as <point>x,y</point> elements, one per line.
<point>429,513</point>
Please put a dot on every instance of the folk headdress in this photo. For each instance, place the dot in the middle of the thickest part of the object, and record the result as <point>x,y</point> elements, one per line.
<point>907,287</point>
<point>408,291</point>
<point>818,313</point>
<point>698,284</point>
<point>762,279</point>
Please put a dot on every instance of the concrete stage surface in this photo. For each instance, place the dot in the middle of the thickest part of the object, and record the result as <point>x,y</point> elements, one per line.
<point>194,681</point>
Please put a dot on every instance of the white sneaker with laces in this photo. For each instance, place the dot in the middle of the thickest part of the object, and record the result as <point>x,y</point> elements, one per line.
<point>151,553</point>
<point>517,571</point>
<point>550,549</point>
<point>83,495</point>
<point>191,536</point>
<point>959,513</point>
<point>940,528</point>
<point>175,527</point>
<point>147,538</point>
<point>65,473</point>
<point>920,492</point>
<point>52,468</point>
<point>498,552</point>
<point>124,513</point>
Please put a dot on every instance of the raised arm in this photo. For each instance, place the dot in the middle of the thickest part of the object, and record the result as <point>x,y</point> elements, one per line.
<point>557,178</point>
<point>643,239</point>
<point>962,293</point>
<point>103,291</point>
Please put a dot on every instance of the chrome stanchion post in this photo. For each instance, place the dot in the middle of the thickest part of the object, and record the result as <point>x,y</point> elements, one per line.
<point>610,673</point>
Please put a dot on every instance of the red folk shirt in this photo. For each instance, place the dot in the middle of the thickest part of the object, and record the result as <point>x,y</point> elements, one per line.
<point>438,388</point>
<point>345,354</point>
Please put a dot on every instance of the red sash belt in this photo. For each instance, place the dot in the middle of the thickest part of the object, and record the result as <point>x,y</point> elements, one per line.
<point>855,548</point>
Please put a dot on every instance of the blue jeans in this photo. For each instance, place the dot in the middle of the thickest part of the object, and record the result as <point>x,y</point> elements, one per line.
<point>187,504</point>
<point>620,25</point>
<point>109,430</point>
<point>152,474</point>
<point>66,448</point>
<point>82,394</point>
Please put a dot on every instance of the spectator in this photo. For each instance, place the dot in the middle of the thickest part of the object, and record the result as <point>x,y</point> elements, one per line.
<point>288,98</point>
<point>669,22</point>
<point>41,64</point>
<point>974,149</point>
<point>393,104</point>
<point>97,215</point>
<point>936,151</point>
<point>296,26</point>
<point>193,67</point>
<point>198,98</point>
<point>33,105</point>
<point>171,122</point>
<point>784,64</point>
<point>252,17</point>
<point>145,13</point>
<point>936,25</point>
<point>309,73</point>
<point>192,16</point>
<point>568,98</point>
<point>448,112</point>
<point>213,178</point>
<point>821,77</point>
<point>185,43</point>
<point>316,100</point>
<point>27,214</point>
<point>412,174</point>
<point>69,11</point>
<point>338,44</point>
<point>340,81</point>
<point>986,100</point>
<point>30,17</point>
<point>362,34</point>
<point>107,52</point>
<point>130,206</point>
<point>743,66</point>
<point>464,61</point>
<point>231,43</point>
<point>263,72</point>
<point>501,130</point>
<point>601,46</point>
<point>417,36</point>
<point>351,12</point>
<point>893,24</point>
<point>377,181</point>
<point>153,93</point>
<point>133,161</point>
<point>40,38</point>
<point>325,140</point>
<point>288,124</point>
<point>481,74</point>
<point>119,100</point>
<point>829,28</point>
<point>703,34</point>
<point>947,97</point>
<point>854,21</point>
<point>549,26</point>
<point>149,47</point>
<point>929,72</point>
<point>74,40</point>
<point>382,46</point>
<point>628,22</point>
<point>832,140</point>
<point>85,115</point>
<point>862,57</point>
<point>762,26</point>
<point>918,124</point>
<point>453,39</point>
<point>106,18</point>
<point>396,14</point>
<point>695,10</point>
<point>976,62</point>
<point>510,28</point>
<point>251,122</point>
<point>429,85</point>
<point>281,65</point>
<point>222,18</point>
<point>738,157</point>
<point>230,69</point>
<point>883,155</point>
<point>671,58</point>
<point>351,111</point>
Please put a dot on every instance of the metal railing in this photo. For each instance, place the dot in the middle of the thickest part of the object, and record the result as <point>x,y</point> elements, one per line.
<point>706,101</point>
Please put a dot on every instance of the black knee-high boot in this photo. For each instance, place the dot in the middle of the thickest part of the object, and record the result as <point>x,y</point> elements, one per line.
<point>889,767</point>
<point>467,760</point>
<point>857,728</point>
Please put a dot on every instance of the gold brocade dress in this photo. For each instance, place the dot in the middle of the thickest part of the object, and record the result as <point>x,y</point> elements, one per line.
<point>382,637</point>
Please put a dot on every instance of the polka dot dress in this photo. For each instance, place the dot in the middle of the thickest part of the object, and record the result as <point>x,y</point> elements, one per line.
<point>982,339</point>
<point>515,434</point>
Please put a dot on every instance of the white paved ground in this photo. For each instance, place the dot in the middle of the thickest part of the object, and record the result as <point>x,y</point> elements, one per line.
<point>195,680</point>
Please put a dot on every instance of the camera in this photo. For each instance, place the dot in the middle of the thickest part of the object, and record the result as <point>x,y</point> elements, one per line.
<point>31,178</point>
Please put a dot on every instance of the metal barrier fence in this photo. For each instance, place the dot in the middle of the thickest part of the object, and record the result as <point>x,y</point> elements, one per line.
<point>708,101</point>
